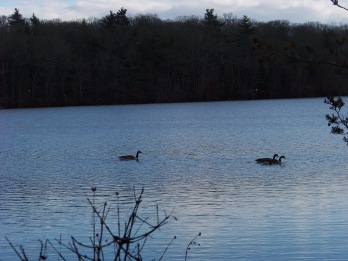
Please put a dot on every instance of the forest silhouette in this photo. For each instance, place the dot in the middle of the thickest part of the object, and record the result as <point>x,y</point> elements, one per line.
<point>120,59</point>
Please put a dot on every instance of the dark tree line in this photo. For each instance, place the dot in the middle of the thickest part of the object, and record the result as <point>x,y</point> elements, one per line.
<point>142,59</point>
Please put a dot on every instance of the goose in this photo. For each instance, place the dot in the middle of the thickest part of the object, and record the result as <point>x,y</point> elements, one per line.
<point>267,160</point>
<point>130,157</point>
<point>277,161</point>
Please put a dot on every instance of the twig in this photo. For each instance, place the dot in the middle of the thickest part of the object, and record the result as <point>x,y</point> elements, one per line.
<point>24,258</point>
<point>192,242</point>
<point>165,250</point>
<point>57,252</point>
<point>43,254</point>
<point>93,221</point>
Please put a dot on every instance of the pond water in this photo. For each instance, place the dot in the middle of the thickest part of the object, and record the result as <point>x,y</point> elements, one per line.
<point>198,161</point>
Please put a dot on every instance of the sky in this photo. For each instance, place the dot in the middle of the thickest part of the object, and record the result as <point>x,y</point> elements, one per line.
<point>295,11</point>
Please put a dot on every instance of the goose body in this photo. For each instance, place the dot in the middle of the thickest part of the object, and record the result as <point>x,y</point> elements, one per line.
<point>277,161</point>
<point>267,160</point>
<point>130,157</point>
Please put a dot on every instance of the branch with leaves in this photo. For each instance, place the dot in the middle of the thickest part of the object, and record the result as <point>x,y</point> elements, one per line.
<point>335,57</point>
<point>337,121</point>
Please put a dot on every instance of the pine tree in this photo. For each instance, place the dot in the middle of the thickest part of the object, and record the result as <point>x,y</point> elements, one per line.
<point>34,23</point>
<point>211,19</point>
<point>246,30</point>
<point>16,22</point>
<point>116,21</point>
<point>121,18</point>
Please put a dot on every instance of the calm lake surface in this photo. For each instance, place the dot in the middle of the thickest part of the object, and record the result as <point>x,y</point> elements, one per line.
<point>198,159</point>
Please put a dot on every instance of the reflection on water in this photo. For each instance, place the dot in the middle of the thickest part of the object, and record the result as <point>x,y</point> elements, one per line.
<point>198,158</point>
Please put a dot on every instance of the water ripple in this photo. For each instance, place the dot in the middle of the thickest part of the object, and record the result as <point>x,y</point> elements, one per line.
<point>198,159</point>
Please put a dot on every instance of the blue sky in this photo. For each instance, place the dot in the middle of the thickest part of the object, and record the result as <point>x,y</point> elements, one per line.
<point>297,11</point>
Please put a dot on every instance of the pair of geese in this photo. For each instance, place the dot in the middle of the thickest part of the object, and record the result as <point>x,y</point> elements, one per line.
<point>270,161</point>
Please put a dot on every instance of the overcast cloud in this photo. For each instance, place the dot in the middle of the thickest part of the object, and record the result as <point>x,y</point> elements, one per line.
<point>260,10</point>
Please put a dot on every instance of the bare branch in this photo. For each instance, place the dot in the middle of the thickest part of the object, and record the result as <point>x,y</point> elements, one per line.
<point>127,245</point>
<point>14,249</point>
<point>335,2</point>
<point>192,242</point>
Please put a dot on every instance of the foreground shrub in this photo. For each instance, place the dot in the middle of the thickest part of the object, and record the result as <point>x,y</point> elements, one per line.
<point>125,242</point>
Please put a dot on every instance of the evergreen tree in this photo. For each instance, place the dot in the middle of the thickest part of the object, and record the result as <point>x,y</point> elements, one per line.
<point>34,23</point>
<point>211,19</point>
<point>121,18</point>
<point>246,29</point>
<point>16,22</point>
<point>116,21</point>
<point>109,22</point>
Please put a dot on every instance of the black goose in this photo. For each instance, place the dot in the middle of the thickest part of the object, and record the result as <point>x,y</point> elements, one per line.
<point>267,160</point>
<point>130,157</point>
<point>275,161</point>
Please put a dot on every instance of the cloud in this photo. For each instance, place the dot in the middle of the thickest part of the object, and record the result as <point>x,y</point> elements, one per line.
<point>260,10</point>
